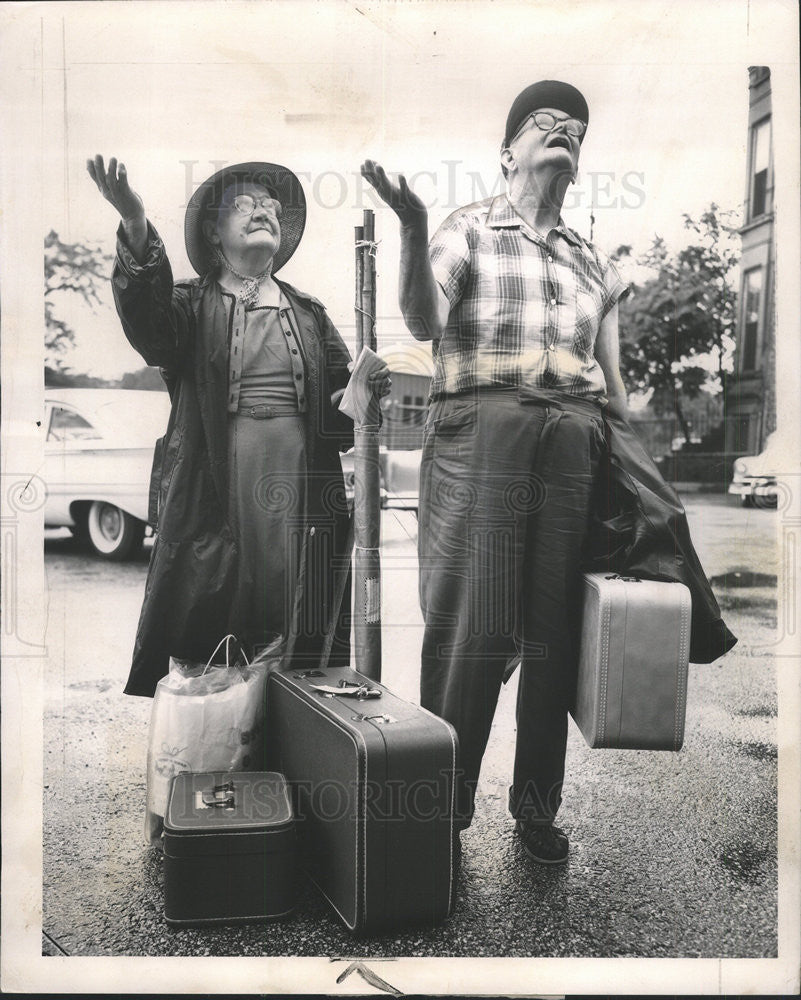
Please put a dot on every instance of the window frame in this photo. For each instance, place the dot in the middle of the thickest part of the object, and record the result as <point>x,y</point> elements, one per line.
<point>765,121</point>
<point>758,332</point>
<point>57,408</point>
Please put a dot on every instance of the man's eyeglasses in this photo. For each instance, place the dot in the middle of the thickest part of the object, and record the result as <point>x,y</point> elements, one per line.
<point>246,204</point>
<point>545,121</point>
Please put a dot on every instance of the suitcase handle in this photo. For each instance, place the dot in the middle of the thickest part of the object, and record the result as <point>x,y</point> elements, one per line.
<point>625,579</point>
<point>221,796</point>
<point>345,689</point>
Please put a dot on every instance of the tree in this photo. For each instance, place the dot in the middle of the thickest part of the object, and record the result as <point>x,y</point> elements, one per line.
<point>81,268</point>
<point>68,379</point>
<point>143,378</point>
<point>678,324</point>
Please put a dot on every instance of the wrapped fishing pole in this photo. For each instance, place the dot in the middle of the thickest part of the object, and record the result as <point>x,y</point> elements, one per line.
<point>367,499</point>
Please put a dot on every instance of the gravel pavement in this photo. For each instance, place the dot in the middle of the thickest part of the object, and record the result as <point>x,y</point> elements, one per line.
<point>672,854</point>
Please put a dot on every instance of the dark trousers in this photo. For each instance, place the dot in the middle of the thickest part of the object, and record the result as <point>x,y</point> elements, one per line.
<point>505,489</point>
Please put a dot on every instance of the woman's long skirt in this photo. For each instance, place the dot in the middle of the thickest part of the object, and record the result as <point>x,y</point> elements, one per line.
<point>267,467</point>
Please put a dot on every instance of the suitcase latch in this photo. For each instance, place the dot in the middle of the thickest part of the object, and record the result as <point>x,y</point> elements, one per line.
<point>380,720</point>
<point>219,796</point>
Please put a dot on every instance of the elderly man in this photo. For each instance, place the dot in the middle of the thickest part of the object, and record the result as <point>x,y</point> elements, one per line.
<point>522,312</point>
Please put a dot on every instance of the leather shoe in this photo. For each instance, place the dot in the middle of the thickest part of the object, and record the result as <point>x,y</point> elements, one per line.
<point>544,843</point>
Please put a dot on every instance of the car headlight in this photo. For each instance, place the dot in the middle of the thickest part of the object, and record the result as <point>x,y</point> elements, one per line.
<point>740,467</point>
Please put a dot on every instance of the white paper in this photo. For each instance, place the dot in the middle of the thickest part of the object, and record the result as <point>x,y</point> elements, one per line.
<point>358,395</point>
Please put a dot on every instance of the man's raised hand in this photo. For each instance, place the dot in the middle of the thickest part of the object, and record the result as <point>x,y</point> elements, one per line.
<point>113,185</point>
<point>401,199</point>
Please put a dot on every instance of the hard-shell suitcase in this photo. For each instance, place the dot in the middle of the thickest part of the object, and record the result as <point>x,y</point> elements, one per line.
<point>373,783</point>
<point>229,848</point>
<point>632,676</point>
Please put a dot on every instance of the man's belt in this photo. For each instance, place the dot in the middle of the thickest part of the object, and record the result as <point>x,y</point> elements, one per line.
<point>592,405</point>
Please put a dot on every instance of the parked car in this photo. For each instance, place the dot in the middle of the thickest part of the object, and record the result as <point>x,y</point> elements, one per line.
<point>754,479</point>
<point>400,472</point>
<point>681,442</point>
<point>99,448</point>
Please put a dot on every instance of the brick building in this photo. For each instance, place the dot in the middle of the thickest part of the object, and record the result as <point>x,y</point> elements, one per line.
<point>751,395</point>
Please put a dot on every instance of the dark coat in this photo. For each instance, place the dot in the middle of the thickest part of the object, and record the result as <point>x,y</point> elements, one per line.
<point>189,602</point>
<point>639,528</point>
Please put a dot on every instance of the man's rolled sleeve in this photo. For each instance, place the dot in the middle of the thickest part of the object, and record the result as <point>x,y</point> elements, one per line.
<point>449,252</point>
<point>614,287</point>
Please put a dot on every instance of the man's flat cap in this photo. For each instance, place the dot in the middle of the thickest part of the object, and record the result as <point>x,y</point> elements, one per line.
<point>545,94</point>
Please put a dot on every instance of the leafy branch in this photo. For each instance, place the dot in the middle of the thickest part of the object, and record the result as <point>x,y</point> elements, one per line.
<point>79,268</point>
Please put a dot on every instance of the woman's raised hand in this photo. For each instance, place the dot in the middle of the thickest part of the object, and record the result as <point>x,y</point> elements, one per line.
<point>401,199</point>
<point>113,185</point>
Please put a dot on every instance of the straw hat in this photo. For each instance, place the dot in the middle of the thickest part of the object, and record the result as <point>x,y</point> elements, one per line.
<point>279,181</point>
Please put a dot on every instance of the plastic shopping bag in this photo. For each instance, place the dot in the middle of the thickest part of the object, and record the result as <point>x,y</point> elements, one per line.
<point>205,717</point>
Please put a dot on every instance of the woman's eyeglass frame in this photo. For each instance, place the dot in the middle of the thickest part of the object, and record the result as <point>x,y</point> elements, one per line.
<point>246,204</point>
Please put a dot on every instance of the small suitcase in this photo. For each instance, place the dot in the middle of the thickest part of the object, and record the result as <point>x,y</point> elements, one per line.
<point>229,848</point>
<point>373,783</point>
<point>632,676</point>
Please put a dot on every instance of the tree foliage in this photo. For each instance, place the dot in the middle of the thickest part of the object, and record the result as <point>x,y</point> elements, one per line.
<point>63,377</point>
<point>79,268</point>
<point>676,328</point>
<point>143,378</point>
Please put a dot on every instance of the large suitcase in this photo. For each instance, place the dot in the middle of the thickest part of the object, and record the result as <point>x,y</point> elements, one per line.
<point>632,676</point>
<point>229,848</point>
<point>373,783</point>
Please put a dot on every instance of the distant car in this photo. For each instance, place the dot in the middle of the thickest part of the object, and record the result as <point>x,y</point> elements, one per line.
<point>754,479</point>
<point>681,442</point>
<point>399,473</point>
<point>99,449</point>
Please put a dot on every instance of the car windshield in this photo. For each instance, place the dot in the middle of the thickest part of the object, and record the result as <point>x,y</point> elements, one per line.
<point>141,418</point>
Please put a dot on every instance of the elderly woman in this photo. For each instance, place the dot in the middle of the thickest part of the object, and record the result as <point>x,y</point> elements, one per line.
<point>253,524</point>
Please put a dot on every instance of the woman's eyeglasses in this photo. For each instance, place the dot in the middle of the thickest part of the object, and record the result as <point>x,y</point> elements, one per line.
<point>246,204</point>
<point>545,121</point>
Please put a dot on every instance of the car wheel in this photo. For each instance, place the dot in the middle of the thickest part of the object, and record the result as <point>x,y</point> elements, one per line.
<point>113,533</point>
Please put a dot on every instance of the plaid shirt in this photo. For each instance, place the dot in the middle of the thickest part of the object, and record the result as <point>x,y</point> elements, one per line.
<point>525,310</point>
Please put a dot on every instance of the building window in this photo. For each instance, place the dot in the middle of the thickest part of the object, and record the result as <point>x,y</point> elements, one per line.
<point>760,169</point>
<point>752,296</point>
<point>413,410</point>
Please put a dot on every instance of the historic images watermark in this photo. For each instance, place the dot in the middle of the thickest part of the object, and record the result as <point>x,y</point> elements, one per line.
<point>445,188</point>
<point>22,495</point>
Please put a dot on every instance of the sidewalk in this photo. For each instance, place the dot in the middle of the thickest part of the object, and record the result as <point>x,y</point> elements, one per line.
<point>672,855</point>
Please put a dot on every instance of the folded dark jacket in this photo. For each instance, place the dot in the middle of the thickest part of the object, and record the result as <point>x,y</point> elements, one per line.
<point>639,528</point>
